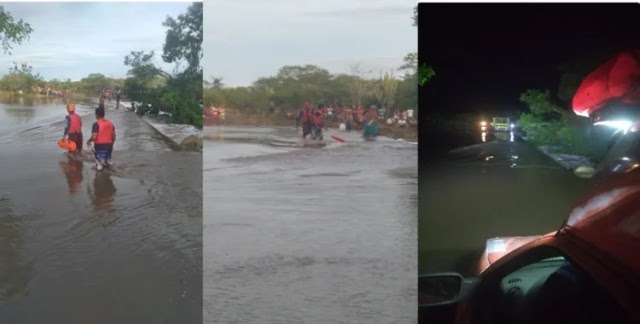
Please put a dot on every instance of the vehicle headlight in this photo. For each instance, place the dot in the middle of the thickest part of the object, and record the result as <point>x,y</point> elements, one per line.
<point>623,125</point>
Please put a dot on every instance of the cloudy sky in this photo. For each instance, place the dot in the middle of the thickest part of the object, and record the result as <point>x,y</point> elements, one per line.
<point>72,40</point>
<point>245,40</point>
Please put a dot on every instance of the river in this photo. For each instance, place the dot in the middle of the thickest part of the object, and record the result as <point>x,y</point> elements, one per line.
<point>81,246</point>
<point>304,235</point>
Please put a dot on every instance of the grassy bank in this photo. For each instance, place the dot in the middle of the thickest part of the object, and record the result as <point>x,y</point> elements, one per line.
<point>235,118</point>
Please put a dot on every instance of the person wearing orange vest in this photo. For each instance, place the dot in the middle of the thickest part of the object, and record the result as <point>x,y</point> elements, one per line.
<point>103,134</point>
<point>73,130</point>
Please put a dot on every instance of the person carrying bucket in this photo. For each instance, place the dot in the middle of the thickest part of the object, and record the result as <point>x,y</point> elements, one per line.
<point>103,134</point>
<point>73,128</point>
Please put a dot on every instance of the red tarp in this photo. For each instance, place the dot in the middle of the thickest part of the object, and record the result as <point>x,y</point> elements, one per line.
<point>618,79</point>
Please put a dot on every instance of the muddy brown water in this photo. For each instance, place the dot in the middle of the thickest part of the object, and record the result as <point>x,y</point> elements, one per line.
<point>308,235</point>
<point>80,246</point>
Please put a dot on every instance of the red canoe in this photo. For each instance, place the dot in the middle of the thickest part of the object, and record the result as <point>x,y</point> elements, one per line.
<point>338,138</point>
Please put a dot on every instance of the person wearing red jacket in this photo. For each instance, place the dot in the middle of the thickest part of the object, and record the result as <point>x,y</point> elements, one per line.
<point>73,129</point>
<point>318,123</point>
<point>306,119</point>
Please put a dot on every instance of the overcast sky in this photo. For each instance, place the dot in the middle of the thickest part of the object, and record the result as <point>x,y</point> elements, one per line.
<point>72,40</point>
<point>245,40</point>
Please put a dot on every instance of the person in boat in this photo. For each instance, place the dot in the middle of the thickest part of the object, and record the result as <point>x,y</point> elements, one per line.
<point>73,128</point>
<point>305,119</point>
<point>317,123</point>
<point>103,134</point>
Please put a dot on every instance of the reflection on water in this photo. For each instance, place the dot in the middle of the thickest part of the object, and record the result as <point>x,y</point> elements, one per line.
<point>15,270</point>
<point>484,137</point>
<point>23,115</point>
<point>103,191</point>
<point>73,172</point>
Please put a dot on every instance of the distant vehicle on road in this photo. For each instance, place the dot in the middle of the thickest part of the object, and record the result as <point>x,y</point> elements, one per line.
<point>586,272</point>
<point>498,124</point>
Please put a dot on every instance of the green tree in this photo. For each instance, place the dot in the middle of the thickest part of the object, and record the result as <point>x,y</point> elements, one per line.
<point>385,92</point>
<point>184,39</point>
<point>180,93</point>
<point>20,78</point>
<point>11,31</point>
<point>540,103</point>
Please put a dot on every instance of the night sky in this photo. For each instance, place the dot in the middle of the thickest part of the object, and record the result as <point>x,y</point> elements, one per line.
<point>486,55</point>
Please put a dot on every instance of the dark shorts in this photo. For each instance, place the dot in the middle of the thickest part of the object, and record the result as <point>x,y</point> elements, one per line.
<point>306,129</point>
<point>76,138</point>
<point>103,152</point>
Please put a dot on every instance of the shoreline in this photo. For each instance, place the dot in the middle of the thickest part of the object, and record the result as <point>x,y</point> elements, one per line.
<point>407,133</point>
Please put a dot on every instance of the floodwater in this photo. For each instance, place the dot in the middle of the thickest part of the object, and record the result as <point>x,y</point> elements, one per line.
<point>500,186</point>
<point>308,235</point>
<point>81,246</point>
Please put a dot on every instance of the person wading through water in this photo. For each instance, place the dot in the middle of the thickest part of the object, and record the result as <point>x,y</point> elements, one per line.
<point>101,102</point>
<point>103,133</point>
<point>306,119</point>
<point>73,128</point>
<point>318,123</point>
<point>118,98</point>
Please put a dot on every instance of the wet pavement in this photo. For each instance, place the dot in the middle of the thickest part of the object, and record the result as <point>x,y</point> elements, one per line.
<point>502,186</point>
<point>81,246</point>
<point>308,235</point>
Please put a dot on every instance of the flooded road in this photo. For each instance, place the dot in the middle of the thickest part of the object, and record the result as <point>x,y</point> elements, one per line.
<point>501,187</point>
<point>80,246</point>
<point>308,235</point>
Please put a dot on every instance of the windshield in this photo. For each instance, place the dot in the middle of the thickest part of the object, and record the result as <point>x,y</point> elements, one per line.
<point>501,120</point>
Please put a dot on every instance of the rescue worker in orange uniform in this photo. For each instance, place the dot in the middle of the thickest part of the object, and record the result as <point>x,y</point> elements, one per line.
<point>73,128</point>
<point>103,134</point>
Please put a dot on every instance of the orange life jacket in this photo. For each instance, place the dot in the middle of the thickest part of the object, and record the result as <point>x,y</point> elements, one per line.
<point>307,116</point>
<point>75,124</point>
<point>105,132</point>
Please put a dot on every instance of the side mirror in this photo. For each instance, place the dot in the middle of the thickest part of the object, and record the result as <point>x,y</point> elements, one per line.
<point>585,172</point>
<point>443,288</point>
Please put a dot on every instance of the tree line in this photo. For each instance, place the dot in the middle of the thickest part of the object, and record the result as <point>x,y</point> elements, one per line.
<point>294,85</point>
<point>178,93</point>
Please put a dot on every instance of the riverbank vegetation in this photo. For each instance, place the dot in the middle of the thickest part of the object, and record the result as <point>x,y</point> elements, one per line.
<point>178,93</point>
<point>548,123</point>
<point>21,81</point>
<point>549,120</point>
<point>293,85</point>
